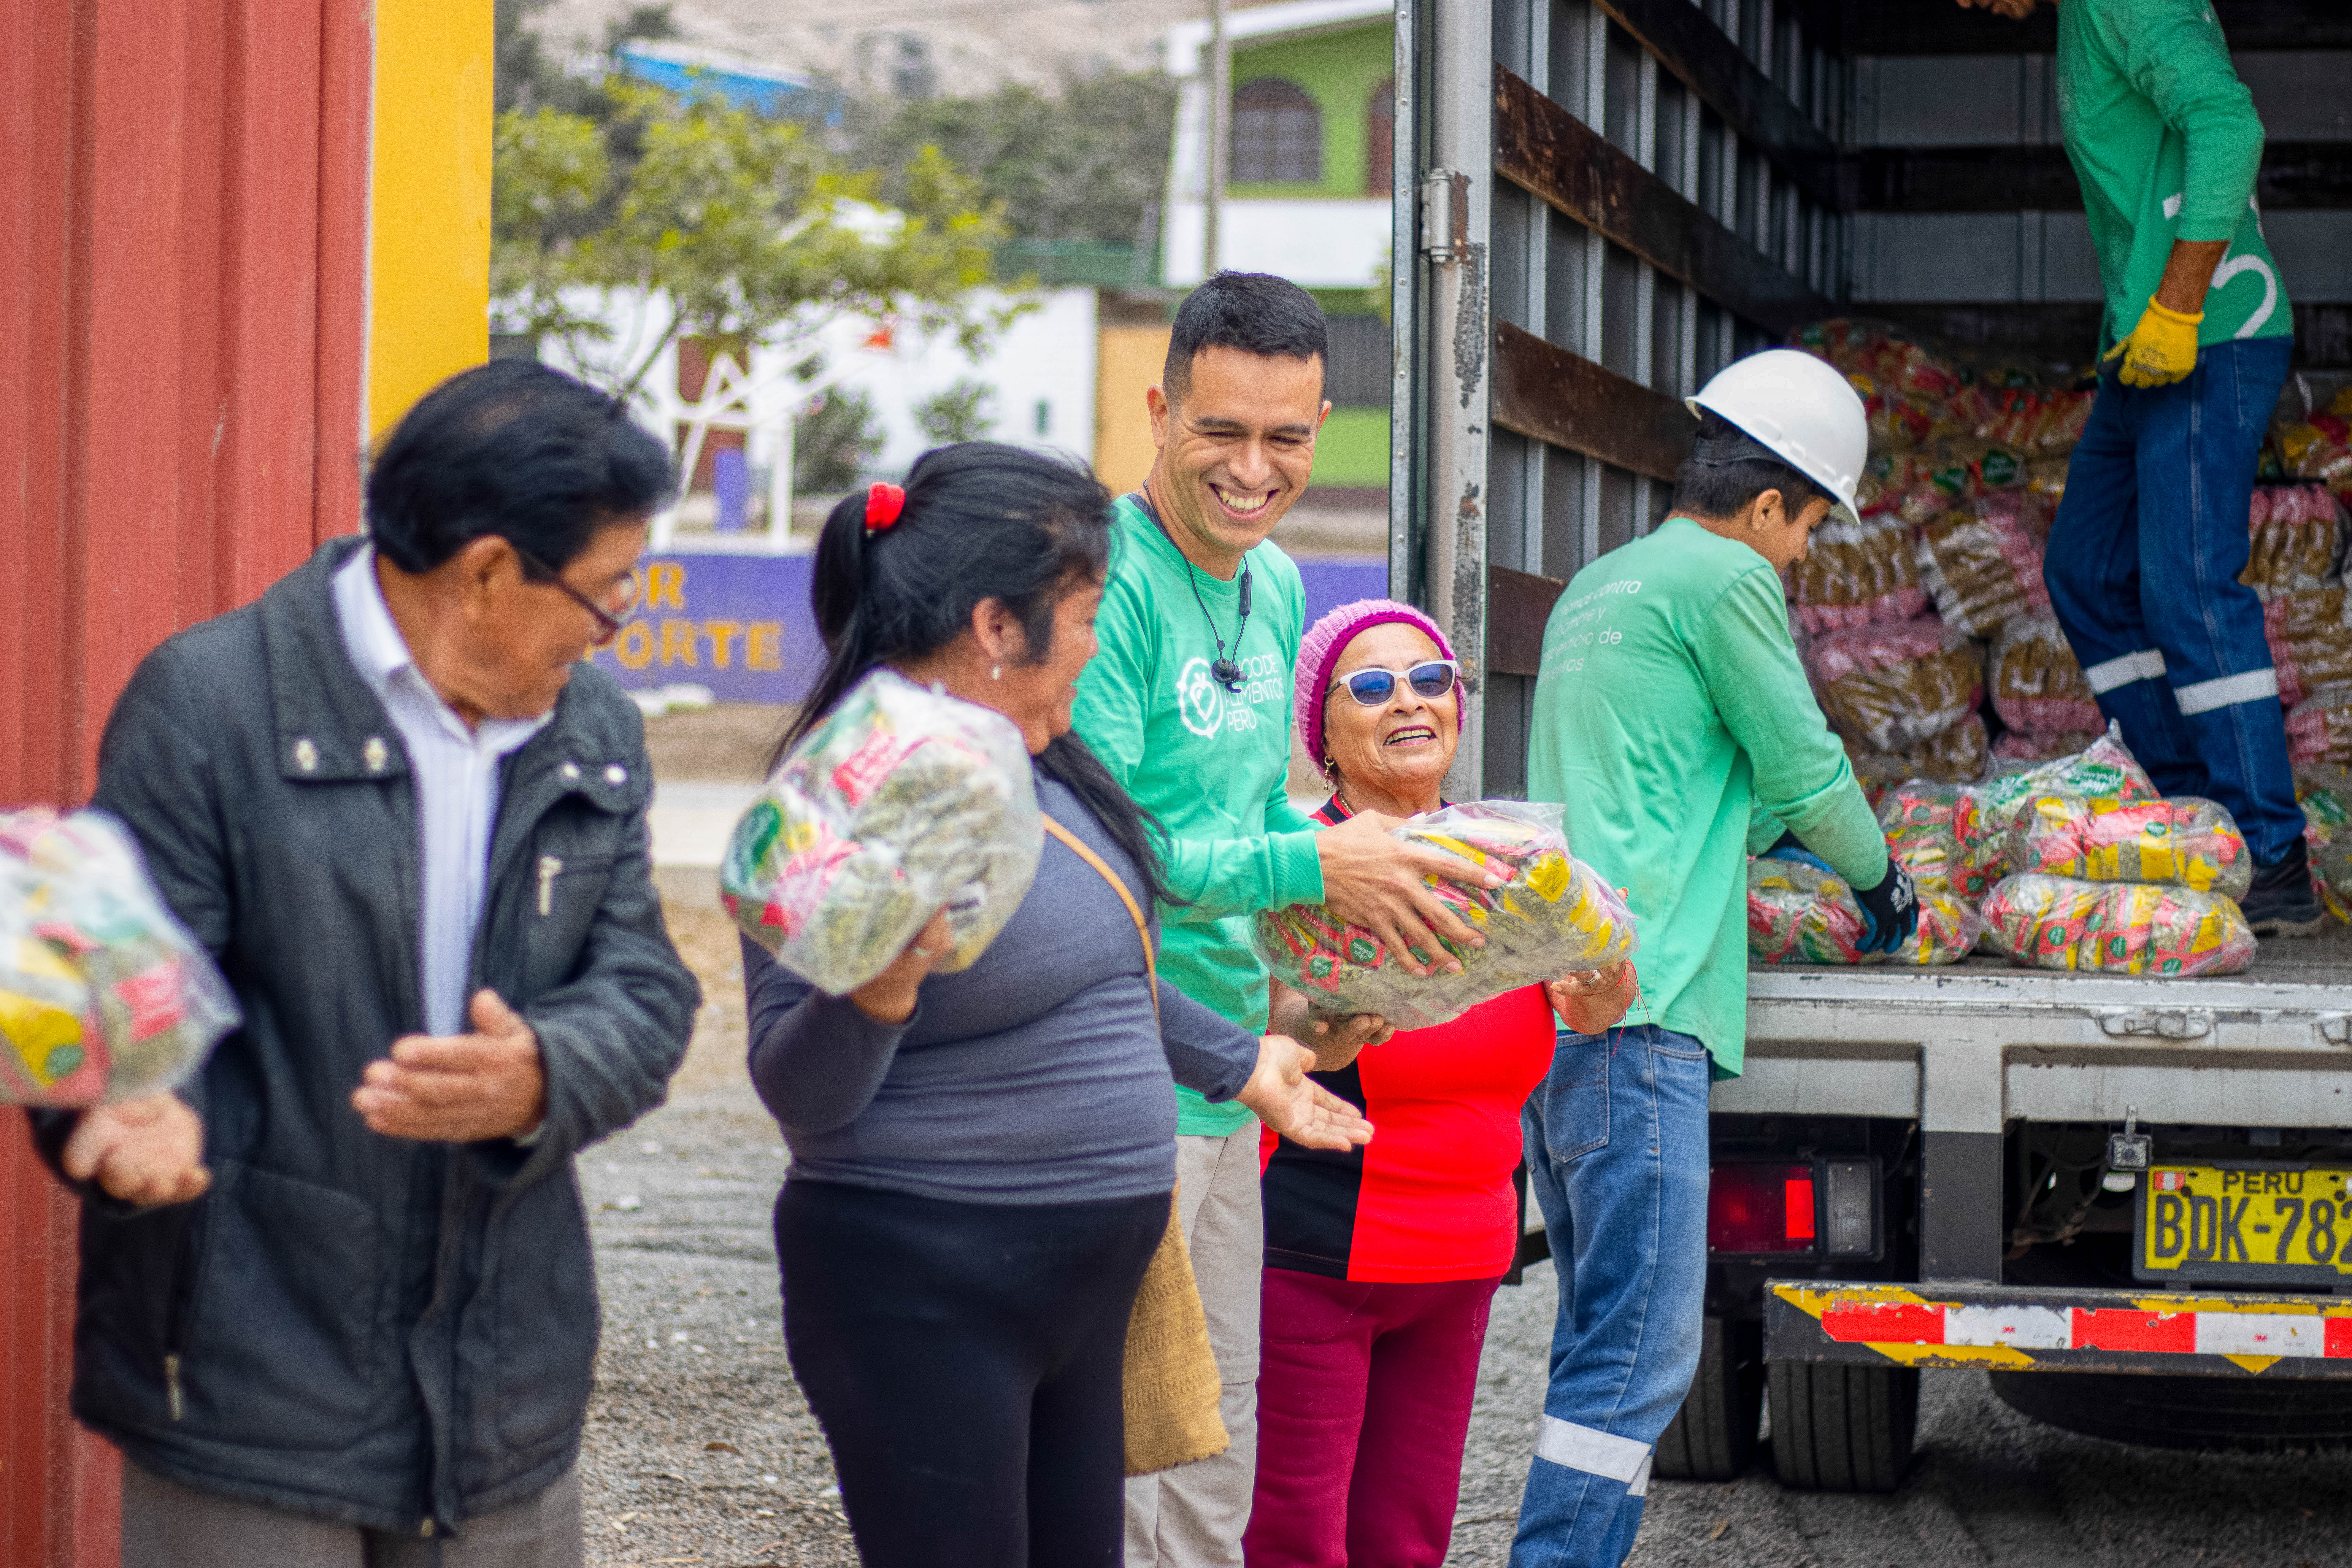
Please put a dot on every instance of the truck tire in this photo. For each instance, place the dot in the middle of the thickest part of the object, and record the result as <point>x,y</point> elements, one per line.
<point>1839,1428</point>
<point>1713,1436</point>
<point>2236,1415</point>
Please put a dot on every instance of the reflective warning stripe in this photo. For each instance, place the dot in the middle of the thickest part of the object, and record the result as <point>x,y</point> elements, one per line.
<point>2254,686</point>
<point>2199,1332</point>
<point>1596,1453</point>
<point>2124,668</point>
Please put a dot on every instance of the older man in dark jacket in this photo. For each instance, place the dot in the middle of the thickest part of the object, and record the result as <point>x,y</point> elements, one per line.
<point>411,824</point>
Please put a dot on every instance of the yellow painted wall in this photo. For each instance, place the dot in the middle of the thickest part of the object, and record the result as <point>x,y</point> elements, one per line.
<point>1127,360</point>
<point>428,200</point>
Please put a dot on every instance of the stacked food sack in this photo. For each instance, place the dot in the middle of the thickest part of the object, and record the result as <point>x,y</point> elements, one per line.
<point>1965,467</point>
<point>104,995</point>
<point>2325,791</point>
<point>1798,913</point>
<point>1554,917</point>
<point>901,802</point>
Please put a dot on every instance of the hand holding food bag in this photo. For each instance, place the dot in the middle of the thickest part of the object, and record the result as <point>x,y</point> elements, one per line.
<point>104,995</point>
<point>901,802</point>
<point>1554,916</point>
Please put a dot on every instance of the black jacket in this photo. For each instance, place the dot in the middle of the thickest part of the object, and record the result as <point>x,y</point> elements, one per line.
<point>393,1333</point>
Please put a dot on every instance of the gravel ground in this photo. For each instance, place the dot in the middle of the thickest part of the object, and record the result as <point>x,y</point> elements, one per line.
<point>700,1450</point>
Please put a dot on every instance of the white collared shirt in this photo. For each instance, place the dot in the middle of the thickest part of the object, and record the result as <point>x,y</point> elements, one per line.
<point>456,774</point>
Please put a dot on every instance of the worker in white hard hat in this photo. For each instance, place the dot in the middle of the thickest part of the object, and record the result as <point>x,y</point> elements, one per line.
<point>1669,704</point>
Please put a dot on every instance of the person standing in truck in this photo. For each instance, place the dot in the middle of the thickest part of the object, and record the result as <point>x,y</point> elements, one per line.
<point>1671,705</point>
<point>2144,559</point>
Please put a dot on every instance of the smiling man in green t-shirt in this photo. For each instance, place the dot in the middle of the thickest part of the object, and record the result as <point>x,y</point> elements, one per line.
<point>1188,702</point>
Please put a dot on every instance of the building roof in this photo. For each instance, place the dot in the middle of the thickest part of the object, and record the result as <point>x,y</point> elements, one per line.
<point>1188,41</point>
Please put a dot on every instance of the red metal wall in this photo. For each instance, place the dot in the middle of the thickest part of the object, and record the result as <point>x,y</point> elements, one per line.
<point>182,225</point>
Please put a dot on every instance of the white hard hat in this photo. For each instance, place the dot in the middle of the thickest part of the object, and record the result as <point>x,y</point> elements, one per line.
<point>1803,411</point>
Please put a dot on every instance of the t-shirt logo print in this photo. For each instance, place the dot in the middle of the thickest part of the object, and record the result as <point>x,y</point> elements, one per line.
<point>1200,702</point>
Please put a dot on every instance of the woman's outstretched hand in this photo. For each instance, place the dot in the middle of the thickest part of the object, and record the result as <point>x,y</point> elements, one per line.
<point>1296,1106</point>
<point>1594,999</point>
<point>889,996</point>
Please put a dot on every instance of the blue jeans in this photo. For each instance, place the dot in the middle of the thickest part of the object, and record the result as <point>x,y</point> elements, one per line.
<point>1617,1152</point>
<point>2143,571</point>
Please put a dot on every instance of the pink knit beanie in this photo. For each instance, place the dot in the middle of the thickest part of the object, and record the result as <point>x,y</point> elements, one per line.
<point>1326,640</point>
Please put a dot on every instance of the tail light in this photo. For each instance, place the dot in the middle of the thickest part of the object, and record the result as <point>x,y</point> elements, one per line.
<point>1823,1207</point>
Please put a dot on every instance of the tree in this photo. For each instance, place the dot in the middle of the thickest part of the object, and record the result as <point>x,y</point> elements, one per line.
<point>963,411</point>
<point>1082,165</point>
<point>834,441</point>
<point>726,226</point>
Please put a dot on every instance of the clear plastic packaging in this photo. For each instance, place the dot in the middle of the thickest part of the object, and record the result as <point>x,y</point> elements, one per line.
<point>1856,575</point>
<point>2104,769</point>
<point>2311,647</point>
<point>105,995</point>
<point>2319,728</point>
<point>2320,447</point>
<point>2295,541</point>
<point>2116,928</point>
<point>1556,916</point>
<point>901,802</point>
<point>2176,839</point>
<point>1891,687</point>
<point>1937,831</point>
<point>1800,914</point>
<point>1981,563</point>
<point>2038,685</point>
<point>1954,756</point>
<point>2325,794</point>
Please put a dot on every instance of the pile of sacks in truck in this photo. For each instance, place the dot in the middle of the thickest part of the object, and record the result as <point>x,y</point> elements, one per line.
<point>1928,634</point>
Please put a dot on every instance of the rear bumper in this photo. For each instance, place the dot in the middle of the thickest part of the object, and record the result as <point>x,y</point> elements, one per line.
<point>2016,1329</point>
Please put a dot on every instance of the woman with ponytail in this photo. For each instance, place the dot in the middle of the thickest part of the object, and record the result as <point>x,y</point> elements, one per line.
<point>982,1161</point>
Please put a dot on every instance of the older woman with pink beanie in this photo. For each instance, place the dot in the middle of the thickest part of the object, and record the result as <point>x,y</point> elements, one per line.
<point>1381,1262</point>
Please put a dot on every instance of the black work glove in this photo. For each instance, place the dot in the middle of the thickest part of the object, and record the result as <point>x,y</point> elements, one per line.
<point>1890,911</point>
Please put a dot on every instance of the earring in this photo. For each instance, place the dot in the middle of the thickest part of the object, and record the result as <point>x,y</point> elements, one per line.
<point>995,672</point>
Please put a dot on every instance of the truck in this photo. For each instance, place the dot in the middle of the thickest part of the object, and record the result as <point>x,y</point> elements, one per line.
<point>2142,1183</point>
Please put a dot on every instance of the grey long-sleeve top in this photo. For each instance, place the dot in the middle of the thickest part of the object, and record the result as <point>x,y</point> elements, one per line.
<point>1037,1076</point>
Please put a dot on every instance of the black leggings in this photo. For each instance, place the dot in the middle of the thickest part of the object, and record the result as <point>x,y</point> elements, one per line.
<point>965,1360</point>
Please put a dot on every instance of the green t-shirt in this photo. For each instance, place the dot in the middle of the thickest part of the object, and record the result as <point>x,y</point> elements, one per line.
<point>1208,762</point>
<point>1670,704</point>
<point>2166,142</point>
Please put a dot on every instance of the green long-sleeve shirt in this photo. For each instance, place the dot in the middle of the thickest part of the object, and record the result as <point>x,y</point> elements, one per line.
<point>2166,142</point>
<point>1670,704</point>
<point>1208,762</point>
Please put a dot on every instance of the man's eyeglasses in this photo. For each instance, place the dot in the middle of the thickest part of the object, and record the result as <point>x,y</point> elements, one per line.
<point>608,625</point>
<point>1373,687</point>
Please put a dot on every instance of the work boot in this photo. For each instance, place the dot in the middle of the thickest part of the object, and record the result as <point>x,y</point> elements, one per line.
<point>2282,902</point>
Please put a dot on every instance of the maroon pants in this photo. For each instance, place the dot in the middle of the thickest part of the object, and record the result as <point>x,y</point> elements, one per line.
<point>1363,1402</point>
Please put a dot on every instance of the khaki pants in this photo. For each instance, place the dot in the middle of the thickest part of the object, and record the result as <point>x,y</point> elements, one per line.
<point>1194,1516</point>
<point>167,1525</point>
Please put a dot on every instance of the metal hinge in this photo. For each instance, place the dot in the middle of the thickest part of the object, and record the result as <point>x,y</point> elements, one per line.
<point>1444,216</point>
<point>2164,1023</point>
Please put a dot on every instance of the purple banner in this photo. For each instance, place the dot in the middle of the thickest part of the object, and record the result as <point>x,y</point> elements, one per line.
<point>740,624</point>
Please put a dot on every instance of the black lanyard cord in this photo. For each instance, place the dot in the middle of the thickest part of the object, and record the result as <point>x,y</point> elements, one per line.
<point>1224,672</point>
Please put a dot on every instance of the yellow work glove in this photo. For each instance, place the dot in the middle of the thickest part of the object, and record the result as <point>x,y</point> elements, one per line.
<point>2161,350</point>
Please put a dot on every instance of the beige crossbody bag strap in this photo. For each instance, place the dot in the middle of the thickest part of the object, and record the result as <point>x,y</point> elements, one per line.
<point>1169,1385</point>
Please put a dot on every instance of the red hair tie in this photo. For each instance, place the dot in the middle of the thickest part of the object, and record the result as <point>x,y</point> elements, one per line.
<point>884,502</point>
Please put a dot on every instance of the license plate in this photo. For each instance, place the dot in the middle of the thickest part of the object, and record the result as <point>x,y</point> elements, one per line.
<point>2245,1224</point>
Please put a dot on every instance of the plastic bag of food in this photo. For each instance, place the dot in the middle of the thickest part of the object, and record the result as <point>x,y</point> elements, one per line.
<point>104,995</point>
<point>2320,448</point>
<point>2104,769</point>
<point>2029,746</point>
<point>1856,575</point>
<point>1554,916</point>
<point>2295,541</point>
<point>2045,479</point>
<point>1800,914</point>
<point>1954,756</point>
<point>1891,687</point>
<point>901,802</point>
<point>2116,928</point>
<point>2038,685</point>
<point>1937,831</point>
<point>2176,839</point>
<point>2030,418</point>
<point>2311,647</point>
<point>1981,563</point>
<point>2324,791</point>
<point>2319,728</point>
